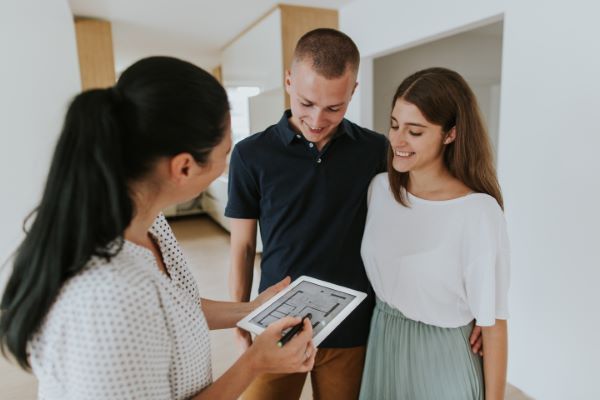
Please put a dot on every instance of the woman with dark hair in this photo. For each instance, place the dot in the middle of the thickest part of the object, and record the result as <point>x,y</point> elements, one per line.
<point>100,303</point>
<point>435,249</point>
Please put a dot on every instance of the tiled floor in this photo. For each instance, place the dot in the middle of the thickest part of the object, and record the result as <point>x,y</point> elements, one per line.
<point>207,248</point>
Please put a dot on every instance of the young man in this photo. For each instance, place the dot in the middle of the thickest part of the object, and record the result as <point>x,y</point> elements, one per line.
<point>305,180</point>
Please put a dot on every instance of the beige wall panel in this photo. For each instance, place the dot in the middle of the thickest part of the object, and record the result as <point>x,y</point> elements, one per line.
<point>95,50</point>
<point>218,73</point>
<point>295,22</point>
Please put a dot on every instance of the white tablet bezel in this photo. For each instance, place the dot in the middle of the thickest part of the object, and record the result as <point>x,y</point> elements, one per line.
<point>246,324</point>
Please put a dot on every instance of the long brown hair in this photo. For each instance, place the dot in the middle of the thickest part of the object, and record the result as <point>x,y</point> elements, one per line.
<point>445,99</point>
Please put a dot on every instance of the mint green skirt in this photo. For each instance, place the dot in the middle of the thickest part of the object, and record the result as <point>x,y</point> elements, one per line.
<point>410,360</point>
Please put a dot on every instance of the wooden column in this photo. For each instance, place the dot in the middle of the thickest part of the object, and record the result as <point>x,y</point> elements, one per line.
<point>218,73</point>
<point>95,49</point>
<point>295,22</point>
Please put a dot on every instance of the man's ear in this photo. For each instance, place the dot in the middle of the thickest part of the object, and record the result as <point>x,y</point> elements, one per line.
<point>288,80</point>
<point>354,88</point>
<point>450,136</point>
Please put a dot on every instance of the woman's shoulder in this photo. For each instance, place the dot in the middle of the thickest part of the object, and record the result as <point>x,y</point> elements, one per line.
<point>104,295</point>
<point>378,184</point>
<point>380,181</point>
<point>110,305</point>
<point>483,203</point>
<point>125,280</point>
<point>481,209</point>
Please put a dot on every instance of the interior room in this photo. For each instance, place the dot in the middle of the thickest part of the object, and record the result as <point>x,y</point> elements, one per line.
<point>532,66</point>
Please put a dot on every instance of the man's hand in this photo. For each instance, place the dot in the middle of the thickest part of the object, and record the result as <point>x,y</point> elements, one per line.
<point>243,338</point>
<point>270,292</point>
<point>476,340</point>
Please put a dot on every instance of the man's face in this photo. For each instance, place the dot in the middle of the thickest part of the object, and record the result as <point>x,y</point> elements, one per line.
<point>318,104</point>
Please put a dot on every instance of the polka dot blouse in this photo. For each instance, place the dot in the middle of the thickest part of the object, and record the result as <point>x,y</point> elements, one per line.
<point>124,330</point>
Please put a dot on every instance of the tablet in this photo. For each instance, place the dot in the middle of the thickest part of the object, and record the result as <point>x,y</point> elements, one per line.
<point>329,305</point>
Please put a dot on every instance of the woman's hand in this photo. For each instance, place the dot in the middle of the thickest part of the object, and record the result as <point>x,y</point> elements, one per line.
<point>265,356</point>
<point>297,355</point>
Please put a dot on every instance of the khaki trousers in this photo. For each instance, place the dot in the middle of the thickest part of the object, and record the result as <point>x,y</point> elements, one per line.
<point>336,375</point>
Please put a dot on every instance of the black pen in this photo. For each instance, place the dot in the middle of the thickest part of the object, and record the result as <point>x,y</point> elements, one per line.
<point>295,329</point>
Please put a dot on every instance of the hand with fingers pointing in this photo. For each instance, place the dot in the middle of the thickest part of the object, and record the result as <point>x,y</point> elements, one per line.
<point>298,355</point>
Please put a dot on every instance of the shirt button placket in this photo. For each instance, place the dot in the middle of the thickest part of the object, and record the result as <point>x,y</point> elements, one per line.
<point>311,145</point>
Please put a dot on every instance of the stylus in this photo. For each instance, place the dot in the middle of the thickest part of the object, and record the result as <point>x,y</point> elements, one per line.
<point>295,329</point>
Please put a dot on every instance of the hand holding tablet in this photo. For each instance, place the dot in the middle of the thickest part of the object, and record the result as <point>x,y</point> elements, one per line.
<point>327,303</point>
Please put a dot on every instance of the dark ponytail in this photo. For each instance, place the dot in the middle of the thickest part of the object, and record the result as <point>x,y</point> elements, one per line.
<point>112,137</point>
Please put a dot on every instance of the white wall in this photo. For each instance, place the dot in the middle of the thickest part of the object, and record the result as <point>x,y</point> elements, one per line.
<point>255,58</point>
<point>39,73</point>
<point>133,42</point>
<point>265,109</point>
<point>548,165</point>
<point>360,109</point>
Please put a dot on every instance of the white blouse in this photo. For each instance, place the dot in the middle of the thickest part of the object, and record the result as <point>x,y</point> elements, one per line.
<point>124,330</point>
<point>443,263</point>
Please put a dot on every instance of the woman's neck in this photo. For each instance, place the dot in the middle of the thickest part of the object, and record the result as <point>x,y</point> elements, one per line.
<point>146,209</point>
<point>137,231</point>
<point>435,183</point>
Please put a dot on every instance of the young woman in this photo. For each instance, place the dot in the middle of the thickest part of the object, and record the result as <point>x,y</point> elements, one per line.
<point>436,251</point>
<point>101,304</point>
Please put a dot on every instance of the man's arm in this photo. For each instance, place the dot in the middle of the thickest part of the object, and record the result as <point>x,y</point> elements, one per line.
<point>243,252</point>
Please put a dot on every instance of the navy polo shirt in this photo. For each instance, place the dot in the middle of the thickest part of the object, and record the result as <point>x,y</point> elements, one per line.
<point>311,207</point>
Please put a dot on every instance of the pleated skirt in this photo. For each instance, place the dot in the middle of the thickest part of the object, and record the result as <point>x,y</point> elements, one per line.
<point>410,360</point>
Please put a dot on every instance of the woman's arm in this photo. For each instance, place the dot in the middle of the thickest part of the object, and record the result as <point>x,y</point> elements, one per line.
<point>233,382</point>
<point>495,359</point>
<point>265,356</point>
<point>225,314</point>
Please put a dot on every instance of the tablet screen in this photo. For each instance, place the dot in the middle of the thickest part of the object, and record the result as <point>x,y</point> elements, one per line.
<point>324,303</point>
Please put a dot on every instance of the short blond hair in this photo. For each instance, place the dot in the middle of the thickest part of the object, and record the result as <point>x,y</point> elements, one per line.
<point>330,52</point>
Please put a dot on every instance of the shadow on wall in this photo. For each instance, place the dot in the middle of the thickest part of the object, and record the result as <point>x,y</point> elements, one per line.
<point>512,393</point>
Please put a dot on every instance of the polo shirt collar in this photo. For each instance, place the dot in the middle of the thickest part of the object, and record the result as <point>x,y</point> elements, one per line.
<point>288,134</point>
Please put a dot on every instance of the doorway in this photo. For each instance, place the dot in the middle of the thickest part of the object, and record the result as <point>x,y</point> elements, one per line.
<point>476,54</point>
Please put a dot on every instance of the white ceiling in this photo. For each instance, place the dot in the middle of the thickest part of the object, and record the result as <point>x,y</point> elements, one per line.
<point>194,30</point>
